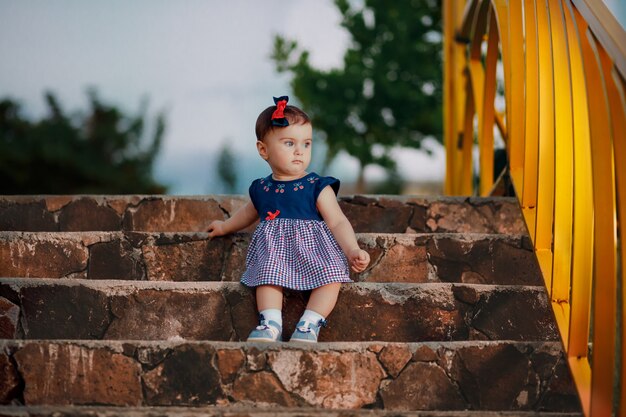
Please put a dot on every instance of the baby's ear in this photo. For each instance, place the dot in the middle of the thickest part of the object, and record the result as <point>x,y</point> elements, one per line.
<point>260,146</point>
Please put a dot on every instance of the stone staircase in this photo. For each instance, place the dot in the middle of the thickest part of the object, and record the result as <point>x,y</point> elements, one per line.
<point>122,306</point>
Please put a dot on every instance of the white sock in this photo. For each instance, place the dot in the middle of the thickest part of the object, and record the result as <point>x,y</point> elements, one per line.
<point>311,316</point>
<point>273,314</point>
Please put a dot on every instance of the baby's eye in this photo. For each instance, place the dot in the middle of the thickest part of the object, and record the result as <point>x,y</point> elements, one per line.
<point>289,143</point>
<point>307,144</point>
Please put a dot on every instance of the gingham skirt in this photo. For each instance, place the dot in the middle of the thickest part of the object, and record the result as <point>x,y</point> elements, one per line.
<point>296,254</point>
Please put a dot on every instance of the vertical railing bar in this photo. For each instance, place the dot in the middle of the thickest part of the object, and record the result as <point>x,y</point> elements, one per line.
<point>604,313</point>
<point>449,93</point>
<point>563,170</point>
<point>620,163</point>
<point>486,122</point>
<point>531,119</point>
<point>582,259</point>
<point>502,22</point>
<point>468,18</point>
<point>617,105</point>
<point>467,175</point>
<point>454,62</point>
<point>545,189</point>
<point>515,125</point>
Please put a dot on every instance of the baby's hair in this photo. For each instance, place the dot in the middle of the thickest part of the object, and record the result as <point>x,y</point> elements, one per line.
<point>264,122</point>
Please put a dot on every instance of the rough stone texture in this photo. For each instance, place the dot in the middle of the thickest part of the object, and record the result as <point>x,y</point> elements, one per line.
<point>329,379</point>
<point>394,358</point>
<point>115,260</point>
<point>226,311</point>
<point>63,312</point>
<point>337,376</point>
<point>558,390</point>
<point>495,378</point>
<point>250,411</point>
<point>173,215</point>
<point>9,380</point>
<point>504,215</point>
<point>185,377</point>
<point>475,259</point>
<point>399,376</point>
<point>9,314</point>
<point>397,313</point>
<point>192,261</point>
<point>422,386</point>
<point>28,216</point>
<point>402,260</point>
<point>512,315</point>
<point>425,354</point>
<point>150,356</point>
<point>235,263</point>
<point>476,216</point>
<point>153,315</point>
<point>71,374</point>
<point>261,389</point>
<point>86,214</point>
<point>24,256</point>
<point>484,260</point>
<point>243,310</point>
<point>389,214</point>
<point>57,202</point>
<point>255,359</point>
<point>229,362</point>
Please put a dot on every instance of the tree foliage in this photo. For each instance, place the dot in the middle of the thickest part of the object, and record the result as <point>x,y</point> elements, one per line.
<point>101,151</point>
<point>226,169</point>
<point>388,92</point>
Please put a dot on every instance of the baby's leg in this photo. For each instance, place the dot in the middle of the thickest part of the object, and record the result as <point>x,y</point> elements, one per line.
<point>323,299</point>
<point>321,303</point>
<point>269,299</point>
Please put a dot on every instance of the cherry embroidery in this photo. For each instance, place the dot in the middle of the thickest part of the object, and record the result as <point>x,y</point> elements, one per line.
<point>272,216</point>
<point>267,187</point>
<point>280,188</point>
<point>298,186</point>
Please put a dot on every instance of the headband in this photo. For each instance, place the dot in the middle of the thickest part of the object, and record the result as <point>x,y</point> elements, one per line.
<point>278,117</point>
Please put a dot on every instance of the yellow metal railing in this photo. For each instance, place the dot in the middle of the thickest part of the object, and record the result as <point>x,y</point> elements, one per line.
<point>563,123</point>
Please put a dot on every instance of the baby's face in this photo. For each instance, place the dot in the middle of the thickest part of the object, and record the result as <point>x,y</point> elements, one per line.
<point>288,151</point>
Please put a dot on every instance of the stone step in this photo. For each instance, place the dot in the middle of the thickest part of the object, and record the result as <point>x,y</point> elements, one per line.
<point>395,312</point>
<point>424,257</point>
<point>386,214</point>
<point>498,376</point>
<point>210,411</point>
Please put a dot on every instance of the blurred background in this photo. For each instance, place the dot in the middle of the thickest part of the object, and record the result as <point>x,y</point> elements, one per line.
<point>155,96</point>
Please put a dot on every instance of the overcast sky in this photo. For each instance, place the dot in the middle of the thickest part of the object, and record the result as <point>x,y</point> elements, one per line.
<point>204,62</point>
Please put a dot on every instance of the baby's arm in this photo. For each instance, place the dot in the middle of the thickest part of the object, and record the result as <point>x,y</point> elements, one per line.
<point>342,229</point>
<point>242,218</point>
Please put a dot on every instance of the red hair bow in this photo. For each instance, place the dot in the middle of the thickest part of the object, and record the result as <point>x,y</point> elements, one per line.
<point>278,117</point>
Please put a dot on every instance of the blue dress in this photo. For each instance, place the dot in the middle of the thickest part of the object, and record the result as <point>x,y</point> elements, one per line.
<point>292,246</point>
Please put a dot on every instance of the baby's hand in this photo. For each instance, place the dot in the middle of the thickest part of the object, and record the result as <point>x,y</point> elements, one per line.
<point>216,228</point>
<point>359,259</point>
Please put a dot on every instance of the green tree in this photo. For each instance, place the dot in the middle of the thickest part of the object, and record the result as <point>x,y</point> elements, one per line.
<point>388,92</point>
<point>226,169</point>
<point>102,151</point>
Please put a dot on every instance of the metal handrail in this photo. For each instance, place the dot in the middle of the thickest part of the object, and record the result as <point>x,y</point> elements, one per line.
<point>564,128</point>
